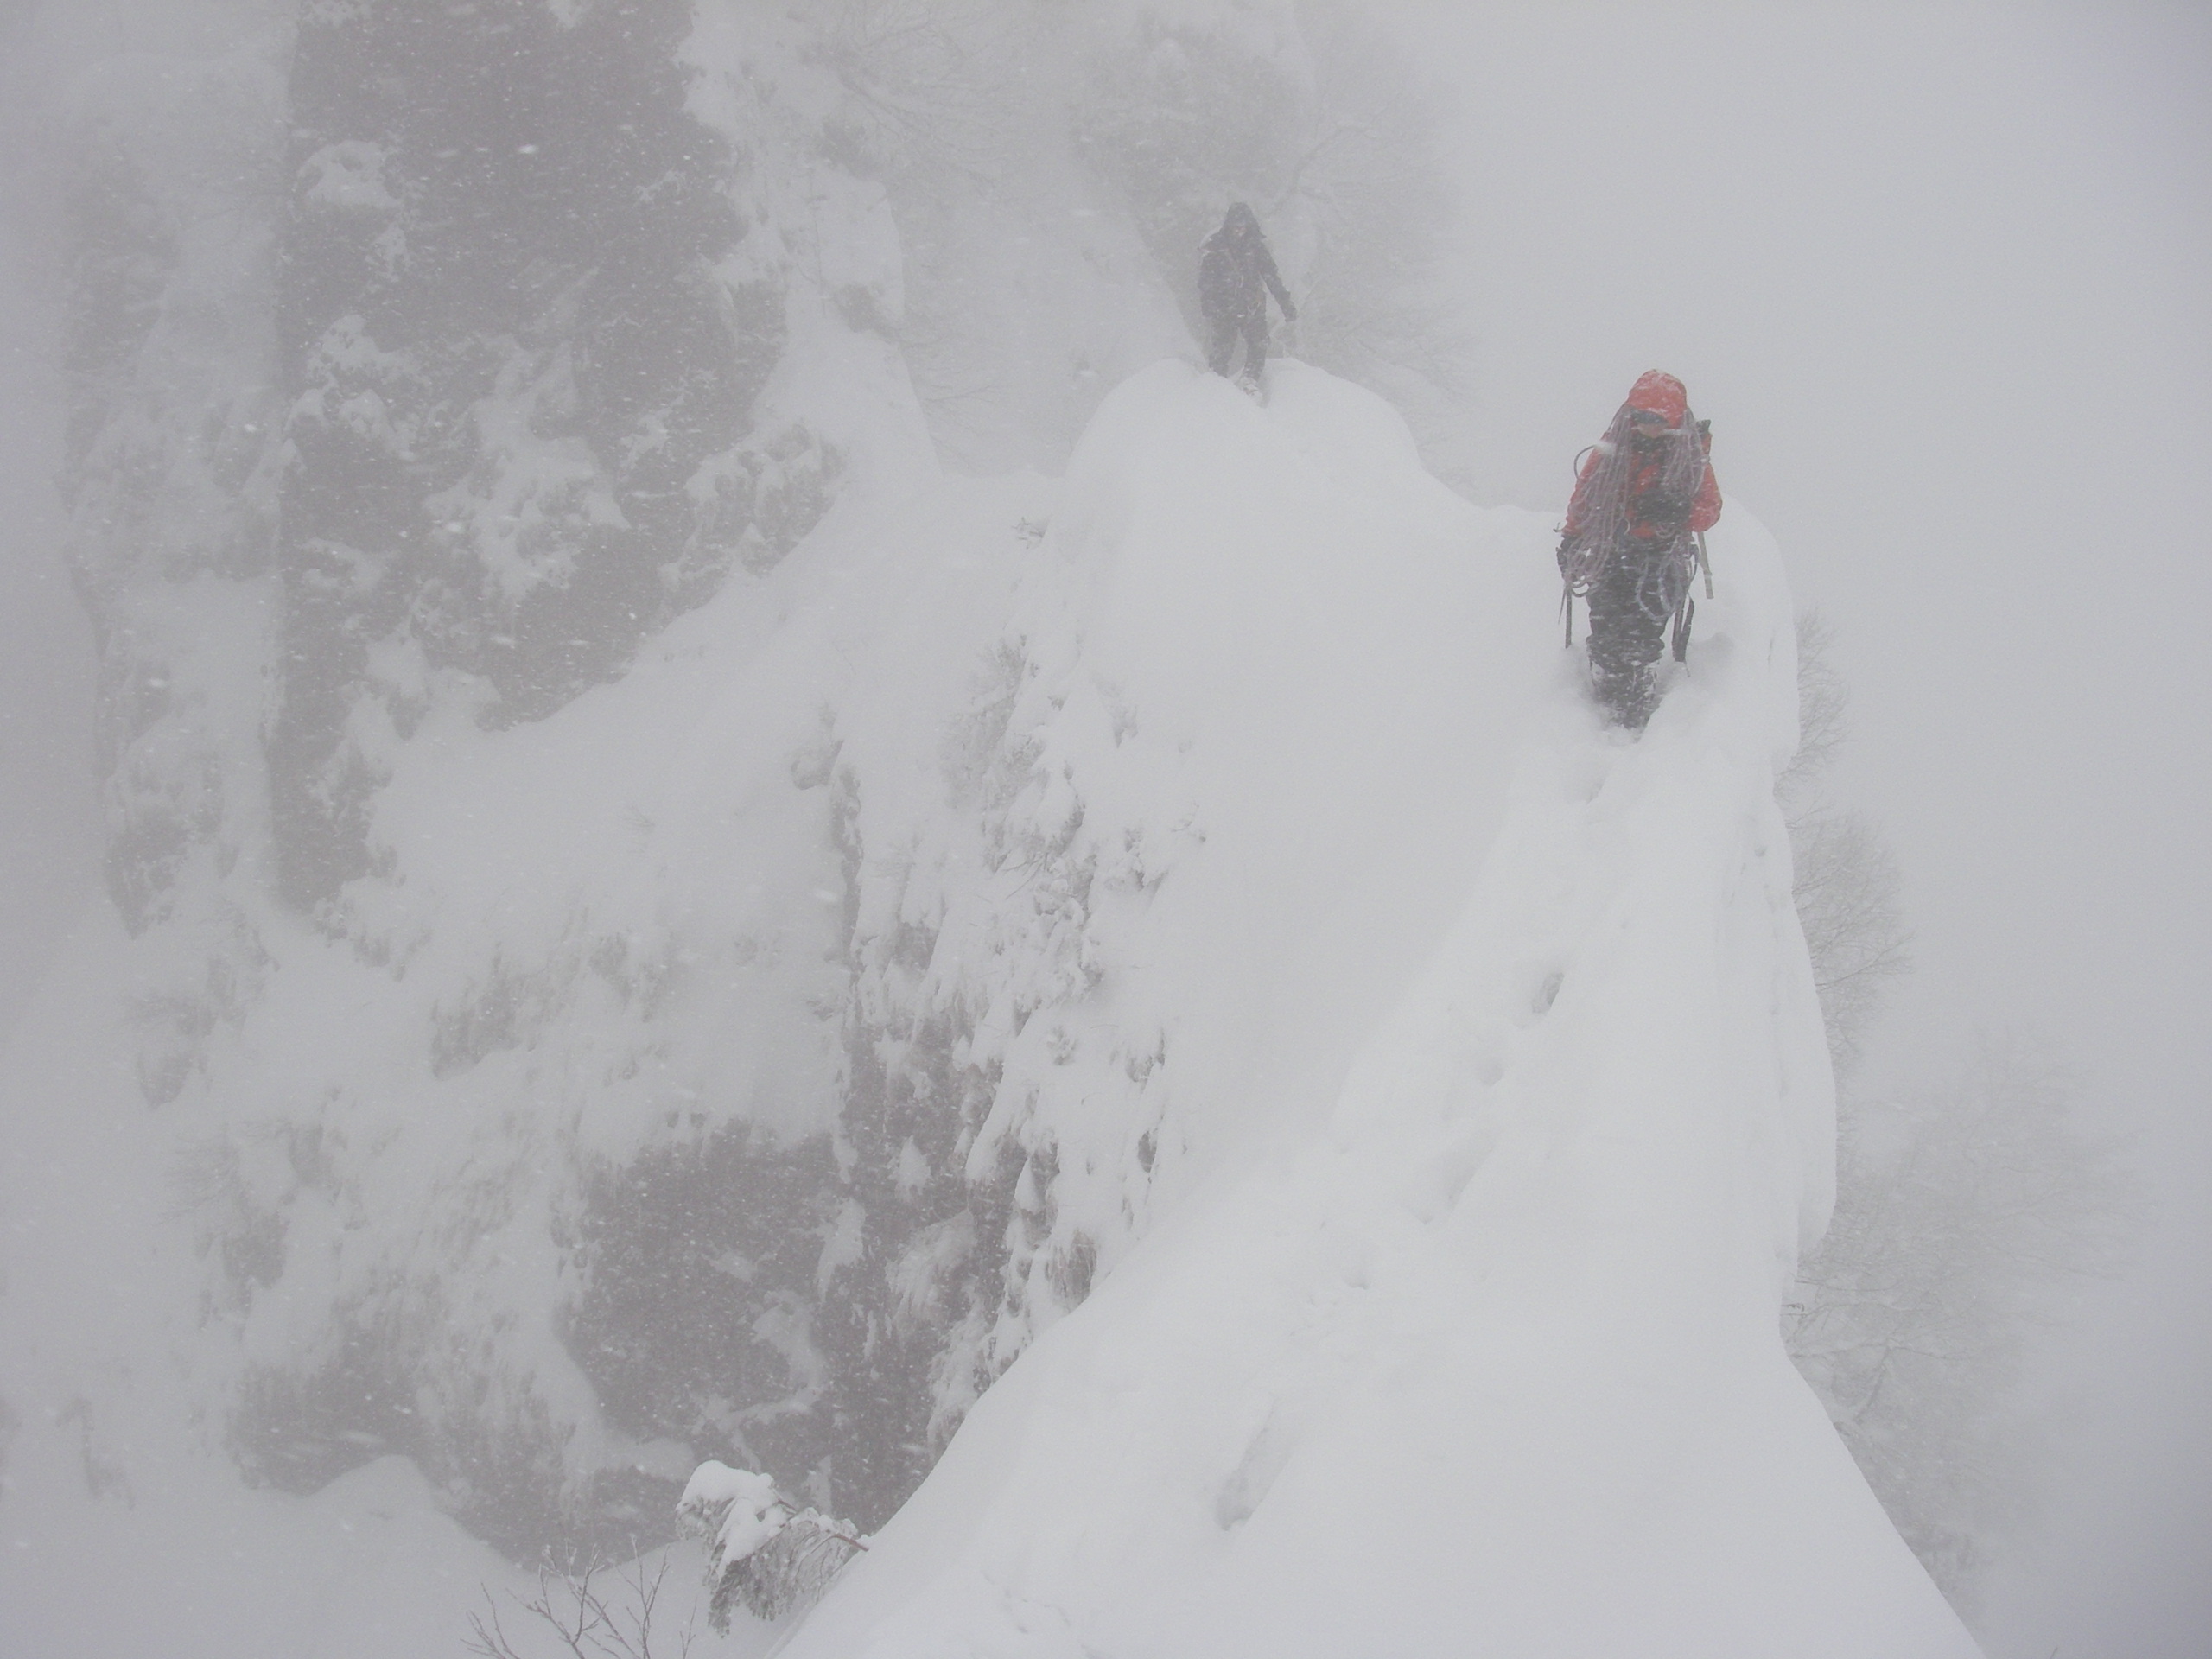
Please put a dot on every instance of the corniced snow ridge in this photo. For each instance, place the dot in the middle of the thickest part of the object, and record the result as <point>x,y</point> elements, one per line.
<point>1459,1337</point>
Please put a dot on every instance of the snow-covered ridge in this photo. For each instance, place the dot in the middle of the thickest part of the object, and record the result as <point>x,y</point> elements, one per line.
<point>1192,894</point>
<point>750,1057</point>
<point>1485,1355</point>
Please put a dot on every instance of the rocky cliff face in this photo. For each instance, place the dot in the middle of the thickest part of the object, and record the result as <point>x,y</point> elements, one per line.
<point>520,355</point>
<point>619,947</point>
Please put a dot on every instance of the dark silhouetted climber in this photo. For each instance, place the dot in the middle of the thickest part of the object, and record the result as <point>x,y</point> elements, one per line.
<point>1232,269</point>
<point>1634,537</point>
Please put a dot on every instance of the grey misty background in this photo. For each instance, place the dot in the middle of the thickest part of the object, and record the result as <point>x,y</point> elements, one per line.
<point>402,362</point>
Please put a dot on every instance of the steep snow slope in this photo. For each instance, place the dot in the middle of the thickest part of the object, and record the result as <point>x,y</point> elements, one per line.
<point>1193,887</point>
<point>1483,1356</point>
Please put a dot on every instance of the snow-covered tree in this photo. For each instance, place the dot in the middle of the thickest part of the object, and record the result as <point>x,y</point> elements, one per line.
<point>765,1552</point>
<point>1054,173</point>
<point>169,477</point>
<point>1847,879</point>
<point>1966,1214</point>
<point>1312,115</point>
<point>1382,304</point>
<point>520,369</point>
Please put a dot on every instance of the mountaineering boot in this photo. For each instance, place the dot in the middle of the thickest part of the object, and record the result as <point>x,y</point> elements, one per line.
<point>1628,694</point>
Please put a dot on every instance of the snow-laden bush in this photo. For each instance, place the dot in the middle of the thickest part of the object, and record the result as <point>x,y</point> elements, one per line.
<point>1966,1214</point>
<point>763,1552</point>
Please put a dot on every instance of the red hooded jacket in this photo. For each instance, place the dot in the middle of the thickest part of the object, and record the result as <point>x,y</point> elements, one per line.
<point>1665,396</point>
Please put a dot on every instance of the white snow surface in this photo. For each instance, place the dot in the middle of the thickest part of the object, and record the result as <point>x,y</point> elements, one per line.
<point>1463,1338</point>
<point>1433,1079</point>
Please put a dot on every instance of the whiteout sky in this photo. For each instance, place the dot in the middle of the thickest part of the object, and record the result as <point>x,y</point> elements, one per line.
<point>1942,276</point>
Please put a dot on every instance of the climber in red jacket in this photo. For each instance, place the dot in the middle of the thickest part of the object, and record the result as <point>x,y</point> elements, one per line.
<point>1629,542</point>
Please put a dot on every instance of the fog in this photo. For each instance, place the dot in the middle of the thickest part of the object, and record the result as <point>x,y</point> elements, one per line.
<point>49,824</point>
<point>1941,275</point>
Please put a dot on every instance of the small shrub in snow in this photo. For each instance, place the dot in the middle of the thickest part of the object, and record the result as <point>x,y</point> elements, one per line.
<point>584,1619</point>
<point>763,1552</point>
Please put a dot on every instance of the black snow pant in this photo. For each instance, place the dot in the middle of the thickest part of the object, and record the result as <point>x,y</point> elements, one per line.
<point>1228,328</point>
<point>1630,608</point>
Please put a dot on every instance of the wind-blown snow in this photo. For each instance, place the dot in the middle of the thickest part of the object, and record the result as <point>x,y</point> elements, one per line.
<point>1473,1347</point>
<point>1415,1088</point>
